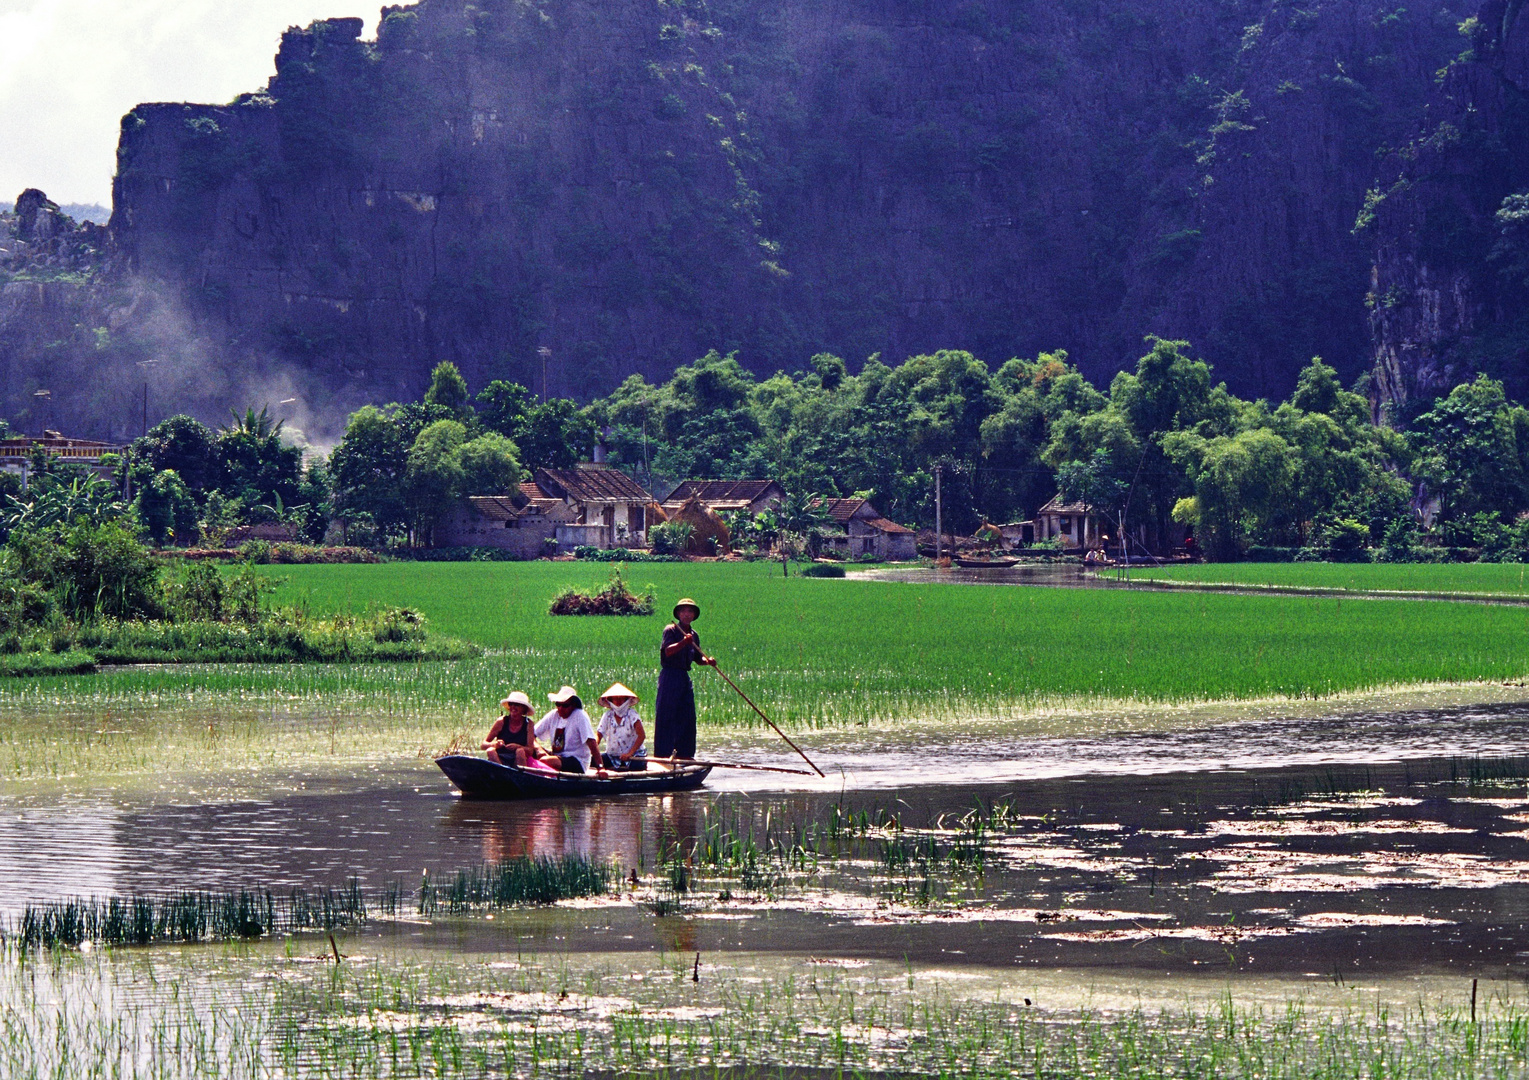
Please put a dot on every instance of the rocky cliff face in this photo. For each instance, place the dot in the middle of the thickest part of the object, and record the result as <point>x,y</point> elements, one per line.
<point>628,184</point>
<point>1449,293</point>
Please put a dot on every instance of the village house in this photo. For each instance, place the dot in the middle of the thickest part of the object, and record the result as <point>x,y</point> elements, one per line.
<point>16,454</point>
<point>611,507</point>
<point>517,523</point>
<point>724,496</point>
<point>1079,528</point>
<point>866,532</point>
<point>1074,525</point>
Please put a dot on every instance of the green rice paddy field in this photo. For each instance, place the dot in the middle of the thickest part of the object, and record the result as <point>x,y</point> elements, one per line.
<point>833,651</point>
<point>836,652</point>
<point>814,653</point>
<point>1469,579</point>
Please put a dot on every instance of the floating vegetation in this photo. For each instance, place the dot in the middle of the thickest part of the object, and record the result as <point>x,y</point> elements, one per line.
<point>513,882</point>
<point>186,917</point>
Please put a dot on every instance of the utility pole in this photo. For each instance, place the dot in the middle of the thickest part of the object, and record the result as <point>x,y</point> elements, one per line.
<point>546,354</point>
<point>938,523</point>
<point>146,365</point>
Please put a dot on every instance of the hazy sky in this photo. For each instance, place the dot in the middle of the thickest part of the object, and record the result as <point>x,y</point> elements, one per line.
<point>69,70</point>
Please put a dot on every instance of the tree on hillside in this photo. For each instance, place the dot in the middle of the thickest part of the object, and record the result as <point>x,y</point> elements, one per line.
<point>448,389</point>
<point>1471,450</point>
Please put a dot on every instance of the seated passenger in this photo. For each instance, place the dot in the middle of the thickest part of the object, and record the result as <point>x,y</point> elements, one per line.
<point>511,741</point>
<point>567,730</point>
<point>621,730</point>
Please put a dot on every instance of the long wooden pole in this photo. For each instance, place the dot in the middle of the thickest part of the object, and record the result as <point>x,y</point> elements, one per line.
<point>734,765</point>
<point>767,720</point>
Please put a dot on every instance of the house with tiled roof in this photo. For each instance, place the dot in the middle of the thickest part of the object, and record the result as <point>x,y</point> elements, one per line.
<point>1075,525</point>
<point>610,507</point>
<point>722,496</point>
<point>866,531</point>
<point>17,454</point>
<point>519,523</point>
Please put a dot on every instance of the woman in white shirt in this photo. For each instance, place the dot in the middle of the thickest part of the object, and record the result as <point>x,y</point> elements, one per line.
<point>567,730</point>
<point>621,730</point>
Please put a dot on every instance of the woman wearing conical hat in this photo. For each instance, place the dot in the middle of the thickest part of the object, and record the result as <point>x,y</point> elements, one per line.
<point>674,707</point>
<point>621,731</point>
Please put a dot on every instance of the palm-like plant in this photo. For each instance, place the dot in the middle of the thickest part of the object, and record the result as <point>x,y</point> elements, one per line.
<point>258,426</point>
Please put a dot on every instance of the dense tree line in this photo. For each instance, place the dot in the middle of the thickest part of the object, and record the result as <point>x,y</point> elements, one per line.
<point>1165,440</point>
<point>1165,446</point>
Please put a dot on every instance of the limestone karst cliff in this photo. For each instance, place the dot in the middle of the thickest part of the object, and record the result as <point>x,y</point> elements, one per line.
<point>630,183</point>
<point>1450,219</point>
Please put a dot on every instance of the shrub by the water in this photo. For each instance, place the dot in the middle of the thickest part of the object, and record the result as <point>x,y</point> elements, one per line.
<point>72,596</point>
<point>823,570</point>
<point>614,599</point>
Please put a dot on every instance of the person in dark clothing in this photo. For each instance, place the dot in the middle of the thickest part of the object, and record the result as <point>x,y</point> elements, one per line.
<point>674,706</point>
<point>511,736</point>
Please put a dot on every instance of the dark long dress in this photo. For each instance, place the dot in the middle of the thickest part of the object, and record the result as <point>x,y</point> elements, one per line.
<point>674,707</point>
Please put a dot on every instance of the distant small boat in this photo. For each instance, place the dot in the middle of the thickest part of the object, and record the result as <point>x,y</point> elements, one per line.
<point>985,564</point>
<point>479,778</point>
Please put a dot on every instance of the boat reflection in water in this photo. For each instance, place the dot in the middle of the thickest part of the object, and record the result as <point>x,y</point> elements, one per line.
<point>627,832</point>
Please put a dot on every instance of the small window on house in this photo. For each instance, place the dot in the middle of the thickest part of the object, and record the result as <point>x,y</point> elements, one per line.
<point>1067,526</point>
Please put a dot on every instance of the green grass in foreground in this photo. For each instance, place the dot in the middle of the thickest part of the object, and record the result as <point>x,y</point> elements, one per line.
<point>1499,579</point>
<point>839,652</point>
<point>100,1016</point>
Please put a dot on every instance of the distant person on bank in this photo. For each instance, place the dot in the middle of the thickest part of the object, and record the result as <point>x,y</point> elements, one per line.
<point>568,732</point>
<point>674,707</point>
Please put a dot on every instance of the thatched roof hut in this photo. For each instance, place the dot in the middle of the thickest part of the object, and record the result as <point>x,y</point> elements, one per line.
<point>704,526</point>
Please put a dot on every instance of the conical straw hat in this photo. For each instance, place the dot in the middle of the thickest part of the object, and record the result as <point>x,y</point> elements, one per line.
<point>617,690</point>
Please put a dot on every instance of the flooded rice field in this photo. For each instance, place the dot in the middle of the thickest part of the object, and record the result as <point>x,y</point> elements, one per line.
<point>975,903</point>
<point>1369,842</point>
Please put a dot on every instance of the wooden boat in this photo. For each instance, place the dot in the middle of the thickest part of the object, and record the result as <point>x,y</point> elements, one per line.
<point>985,564</point>
<point>479,778</point>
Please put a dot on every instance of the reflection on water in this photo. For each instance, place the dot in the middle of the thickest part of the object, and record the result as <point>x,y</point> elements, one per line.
<point>53,851</point>
<point>985,755</point>
<point>1051,575</point>
<point>620,830</point>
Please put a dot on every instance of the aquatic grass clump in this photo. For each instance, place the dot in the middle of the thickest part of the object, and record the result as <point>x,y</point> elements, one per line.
<point>513,882</point>
<point>185,917</point>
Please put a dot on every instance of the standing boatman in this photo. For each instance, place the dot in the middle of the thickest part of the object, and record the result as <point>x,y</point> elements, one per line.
<point>674,706</point>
